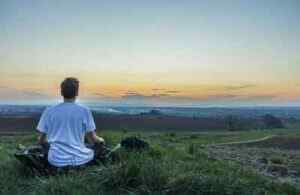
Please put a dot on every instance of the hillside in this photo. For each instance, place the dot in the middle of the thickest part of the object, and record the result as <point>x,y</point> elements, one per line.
<point>178,163</point>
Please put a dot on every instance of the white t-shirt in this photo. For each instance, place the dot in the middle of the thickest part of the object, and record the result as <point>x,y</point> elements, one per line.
<point>65,126</point>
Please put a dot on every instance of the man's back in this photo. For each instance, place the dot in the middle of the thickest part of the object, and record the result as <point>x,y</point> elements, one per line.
<point>65,125</point>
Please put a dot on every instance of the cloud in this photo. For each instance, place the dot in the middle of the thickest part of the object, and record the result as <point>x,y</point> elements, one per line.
<point>163,97</point>
<point>7,93</point>
<point>239,87</point>
<point>258,98</point>
<point>172,91</point>
<point>165,91</point>
<point>129,93</point>
<point>220,97</point>
<point>140,96</point>
<point>160,95</point>
<point>158,89</point>
<point>241,98</point>
<point>98,94</point>
<point>172,95</point>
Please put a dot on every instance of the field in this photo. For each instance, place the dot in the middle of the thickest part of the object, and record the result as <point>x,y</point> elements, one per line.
<point>178,163</point>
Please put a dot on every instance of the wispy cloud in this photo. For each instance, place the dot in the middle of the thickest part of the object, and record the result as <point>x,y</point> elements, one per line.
<point>219,97</point>
<point>165,91</point>
<point>98,94</point>
<point>157,93</point>
<point>136,95</point>
<point>172,91</point>
<point>258,98</point>
<point>7,93</point>
<point>158,89</point>
<point>241,98</point>
<point>208,99</point>
<point>131,93</point>
<point>239,87</point>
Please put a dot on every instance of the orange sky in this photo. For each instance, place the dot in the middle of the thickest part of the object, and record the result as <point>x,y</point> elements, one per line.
<point>187,53</point>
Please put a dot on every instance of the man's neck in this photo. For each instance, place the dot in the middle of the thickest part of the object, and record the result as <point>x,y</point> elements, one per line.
<point>69,100</point>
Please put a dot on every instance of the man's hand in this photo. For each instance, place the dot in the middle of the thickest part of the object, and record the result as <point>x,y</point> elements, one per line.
<point>93,138</point>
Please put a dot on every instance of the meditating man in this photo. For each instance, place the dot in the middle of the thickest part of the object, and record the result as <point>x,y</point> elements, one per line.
<point>64,127</point>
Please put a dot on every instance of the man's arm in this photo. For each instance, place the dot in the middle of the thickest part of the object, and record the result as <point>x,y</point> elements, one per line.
<point>42,139</point>
<point>42,128</point>
<point>93,138</point>
<point>90,127</point>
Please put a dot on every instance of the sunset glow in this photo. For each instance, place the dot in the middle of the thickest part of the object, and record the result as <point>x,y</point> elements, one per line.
<point>185,53</point>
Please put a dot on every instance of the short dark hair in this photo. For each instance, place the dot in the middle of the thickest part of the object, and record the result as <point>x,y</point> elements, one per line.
<point>69,87</point>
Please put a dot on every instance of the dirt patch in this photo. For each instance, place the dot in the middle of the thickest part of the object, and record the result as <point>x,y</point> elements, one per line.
<point>282,142</point>
<point>280,165</point>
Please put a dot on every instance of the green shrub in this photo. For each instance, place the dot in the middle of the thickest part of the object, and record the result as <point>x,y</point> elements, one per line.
<point>277,160</point>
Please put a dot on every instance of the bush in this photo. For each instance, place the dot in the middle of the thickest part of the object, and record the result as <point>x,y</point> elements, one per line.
<point>233,123</point>
<point>272,122</point>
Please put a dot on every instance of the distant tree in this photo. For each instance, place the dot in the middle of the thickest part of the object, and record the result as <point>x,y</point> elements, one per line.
<point>272,122</point>
<point>155,112</point>
<point>152,112</point>
<point>232,123</point>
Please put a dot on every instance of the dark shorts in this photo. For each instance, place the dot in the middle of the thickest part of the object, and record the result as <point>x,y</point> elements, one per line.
<point>99,157</point>
<point>36,157</point>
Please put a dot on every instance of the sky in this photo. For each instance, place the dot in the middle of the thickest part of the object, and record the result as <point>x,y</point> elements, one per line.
<point>158,53</point>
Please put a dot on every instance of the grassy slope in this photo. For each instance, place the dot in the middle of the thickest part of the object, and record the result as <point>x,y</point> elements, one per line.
<point>173,166</point>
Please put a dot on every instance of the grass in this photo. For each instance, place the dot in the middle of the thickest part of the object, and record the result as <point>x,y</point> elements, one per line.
<point>176,164</point>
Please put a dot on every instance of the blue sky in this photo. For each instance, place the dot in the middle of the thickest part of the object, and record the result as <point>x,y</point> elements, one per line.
<point>207,51</point>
